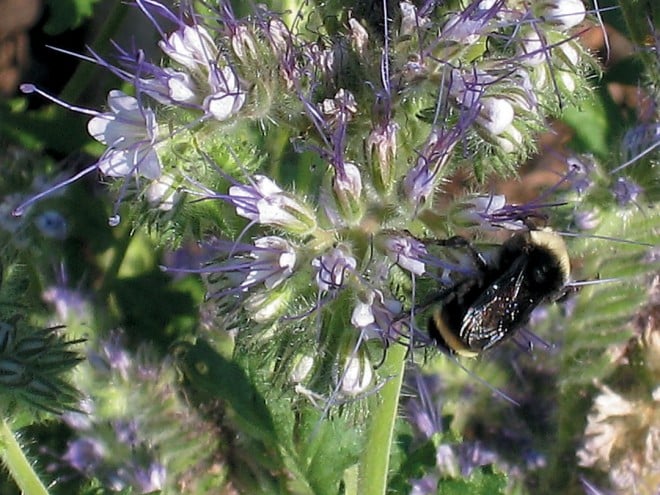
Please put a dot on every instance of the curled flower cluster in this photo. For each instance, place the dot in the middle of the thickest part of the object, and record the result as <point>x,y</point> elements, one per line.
<point>132,430</point>
<point>340,257</point>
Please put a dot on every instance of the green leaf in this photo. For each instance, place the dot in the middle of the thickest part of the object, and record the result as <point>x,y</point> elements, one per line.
<point>483,481</point>
<point>67,14</point>
<point>591,126</point>
<point>216,377</point>
<point>329,447</point>
<point>156,307</point>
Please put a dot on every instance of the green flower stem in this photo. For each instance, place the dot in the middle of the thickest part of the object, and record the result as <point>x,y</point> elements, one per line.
<point>111,272</point>
<point>375,462</point>
<point>17,464</point>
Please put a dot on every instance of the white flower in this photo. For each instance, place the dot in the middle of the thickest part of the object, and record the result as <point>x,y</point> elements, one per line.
<point>264,202</point>
<point>275,259</point>
<point>130,132</point>
<point>171,86</point>
<point>192,47</point>
<point>374,314</point>
<point>226,98</point>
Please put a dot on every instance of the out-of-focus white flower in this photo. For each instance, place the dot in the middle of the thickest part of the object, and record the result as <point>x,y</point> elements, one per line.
<point>359,35</point>
<point>162,193</point>
<point>410,21</point>
<point>563,13</point>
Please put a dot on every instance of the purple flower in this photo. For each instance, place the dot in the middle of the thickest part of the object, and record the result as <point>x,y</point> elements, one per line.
<point>626,191</point>
<point>375,315</point>
<point>406,252</point>
<point>204,79</point>
<point>130,132</point>
<point>150,479</point>
<point>492,211</point>
<point>332,269</point>
<point>274,261</point>
<point>85,454</point>
<point>112,356</point>
<point>423,409</point>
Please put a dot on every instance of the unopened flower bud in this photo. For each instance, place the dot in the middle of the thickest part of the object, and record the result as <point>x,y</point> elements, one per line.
<point>347,189</point>
<point>264,307</point>
<point>495,115</point>
<point>510,140</point>
<point>356,376</point>
<point>302,368</point>
<point>359,35</point>
<point>162,194</point>
<point>381,152</point>
<point>243,43</point>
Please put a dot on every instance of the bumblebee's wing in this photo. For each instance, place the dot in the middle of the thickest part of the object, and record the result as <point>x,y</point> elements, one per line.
<point>497,311</point>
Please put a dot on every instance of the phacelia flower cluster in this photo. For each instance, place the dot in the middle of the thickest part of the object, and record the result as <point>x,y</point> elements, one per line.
<point>387,119</point>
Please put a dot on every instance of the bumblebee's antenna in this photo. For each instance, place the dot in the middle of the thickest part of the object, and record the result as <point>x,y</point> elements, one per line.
<point>582,283</point>
<point>606,238</point>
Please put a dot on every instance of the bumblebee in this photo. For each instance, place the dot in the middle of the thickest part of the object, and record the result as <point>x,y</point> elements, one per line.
<point>483,310</point>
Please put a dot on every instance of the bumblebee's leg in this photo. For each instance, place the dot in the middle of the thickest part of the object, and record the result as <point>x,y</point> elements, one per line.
<point>461,242</point>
